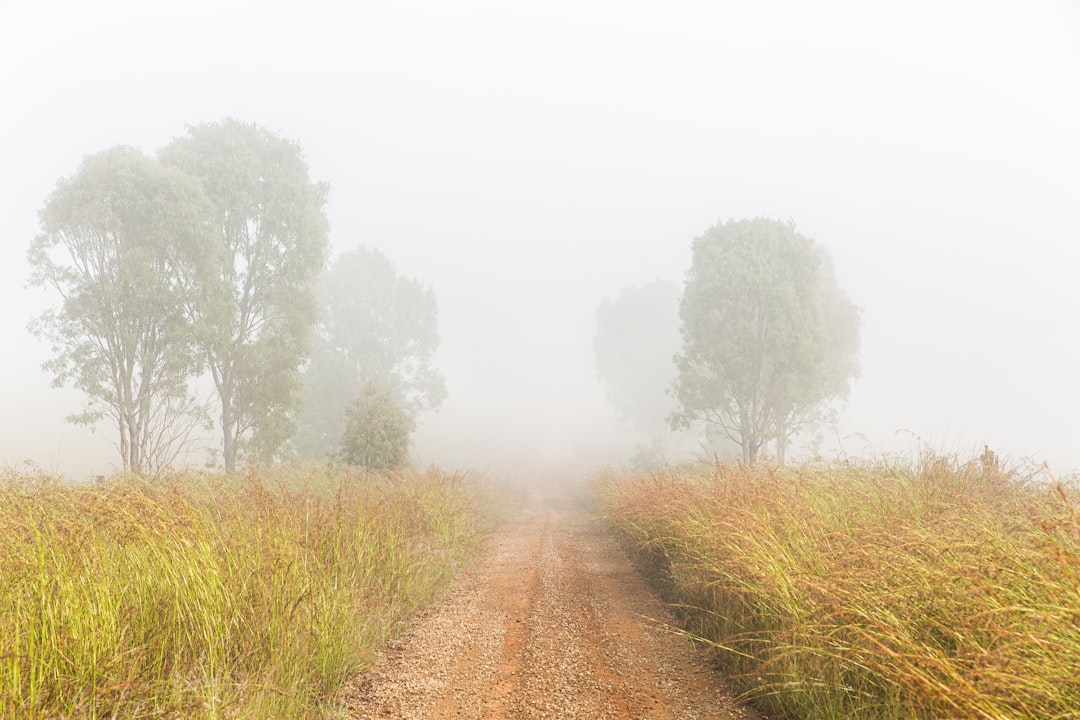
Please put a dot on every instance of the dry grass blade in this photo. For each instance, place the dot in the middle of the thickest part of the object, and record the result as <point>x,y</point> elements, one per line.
<point>202,596</point>
<point>938,590</point>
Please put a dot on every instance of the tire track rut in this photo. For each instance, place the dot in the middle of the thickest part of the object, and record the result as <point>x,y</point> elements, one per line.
<point>549,622</point>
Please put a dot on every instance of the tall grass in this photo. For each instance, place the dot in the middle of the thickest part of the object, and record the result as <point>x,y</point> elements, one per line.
<point>203,596</point>
<point>932,591</point>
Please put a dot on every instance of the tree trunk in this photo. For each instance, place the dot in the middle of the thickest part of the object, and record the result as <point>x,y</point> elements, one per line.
<point>124,442</point>
<point>228,427</point>
<point>781,443</point>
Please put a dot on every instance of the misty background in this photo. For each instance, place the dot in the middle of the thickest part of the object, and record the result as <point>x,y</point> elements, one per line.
<point>529,161</point>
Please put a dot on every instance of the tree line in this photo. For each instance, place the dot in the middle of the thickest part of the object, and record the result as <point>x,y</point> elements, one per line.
<point>205,268</point>
<point>208,261</point>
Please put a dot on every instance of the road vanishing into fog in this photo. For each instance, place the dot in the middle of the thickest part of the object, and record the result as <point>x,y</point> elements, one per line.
<point>551,621</point>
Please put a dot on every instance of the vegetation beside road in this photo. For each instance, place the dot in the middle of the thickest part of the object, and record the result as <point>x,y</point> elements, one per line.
<point>208,596</point>
<point>935,590</point>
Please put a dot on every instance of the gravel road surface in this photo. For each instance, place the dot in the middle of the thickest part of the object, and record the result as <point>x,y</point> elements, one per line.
<point>551,621</point>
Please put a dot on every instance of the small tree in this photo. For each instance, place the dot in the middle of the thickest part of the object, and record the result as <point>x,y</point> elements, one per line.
<point>768,336</point>
<point>377,431</point>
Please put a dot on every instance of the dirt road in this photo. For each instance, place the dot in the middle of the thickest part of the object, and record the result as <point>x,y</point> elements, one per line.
<point>550,622</point>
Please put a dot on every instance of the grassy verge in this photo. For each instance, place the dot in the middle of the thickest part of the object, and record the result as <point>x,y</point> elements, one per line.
<point>214,597</point>
<point>934,591</point>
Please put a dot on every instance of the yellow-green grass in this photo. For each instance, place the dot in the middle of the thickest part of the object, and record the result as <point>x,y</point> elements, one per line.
<point>202,596</point>
<point>844,591</point>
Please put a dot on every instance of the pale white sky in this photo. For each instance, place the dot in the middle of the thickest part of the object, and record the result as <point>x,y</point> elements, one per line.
<point>529,159</point>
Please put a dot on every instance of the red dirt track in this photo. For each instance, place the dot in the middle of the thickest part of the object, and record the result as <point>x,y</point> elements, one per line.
<point>551,621</point>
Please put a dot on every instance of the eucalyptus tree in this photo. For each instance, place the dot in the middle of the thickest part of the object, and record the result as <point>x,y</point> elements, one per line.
<point>769,338</point>
<point>271,242</point>
<point>375,327</point>
<point>637,337</point>
<point>125,244</point>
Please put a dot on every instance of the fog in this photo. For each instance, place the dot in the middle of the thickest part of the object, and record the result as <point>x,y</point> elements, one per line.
<point>527,160</point>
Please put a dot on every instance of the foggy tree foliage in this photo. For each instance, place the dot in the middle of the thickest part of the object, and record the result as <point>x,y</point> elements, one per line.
<point>125,243</point>
<point>377,430</point>
<point>769,338</point>
<point>272,241</point>
<point>637,337</point>
<point>374,327</point>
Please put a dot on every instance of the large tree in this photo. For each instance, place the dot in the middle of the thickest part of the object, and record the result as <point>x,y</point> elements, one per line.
<point>809,395</point>
<point>125,244</point>
<point>272,242</point>
<point>637,337</point>
<point>769,338</point>
<point>374,327</point>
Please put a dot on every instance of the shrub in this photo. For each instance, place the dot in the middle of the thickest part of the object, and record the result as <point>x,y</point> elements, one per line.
<point>377,431</point>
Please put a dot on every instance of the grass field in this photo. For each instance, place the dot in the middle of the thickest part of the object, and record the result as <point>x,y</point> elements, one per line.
<point>938,590</point>
<point>201,596</point>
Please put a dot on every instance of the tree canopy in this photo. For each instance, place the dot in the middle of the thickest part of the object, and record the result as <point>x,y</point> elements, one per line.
<point>637,337</point>
<point>374,327</point>
<point>271,237</point>
<point>377,430</point>
<point>769,338</point>
<point>126,244</point>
